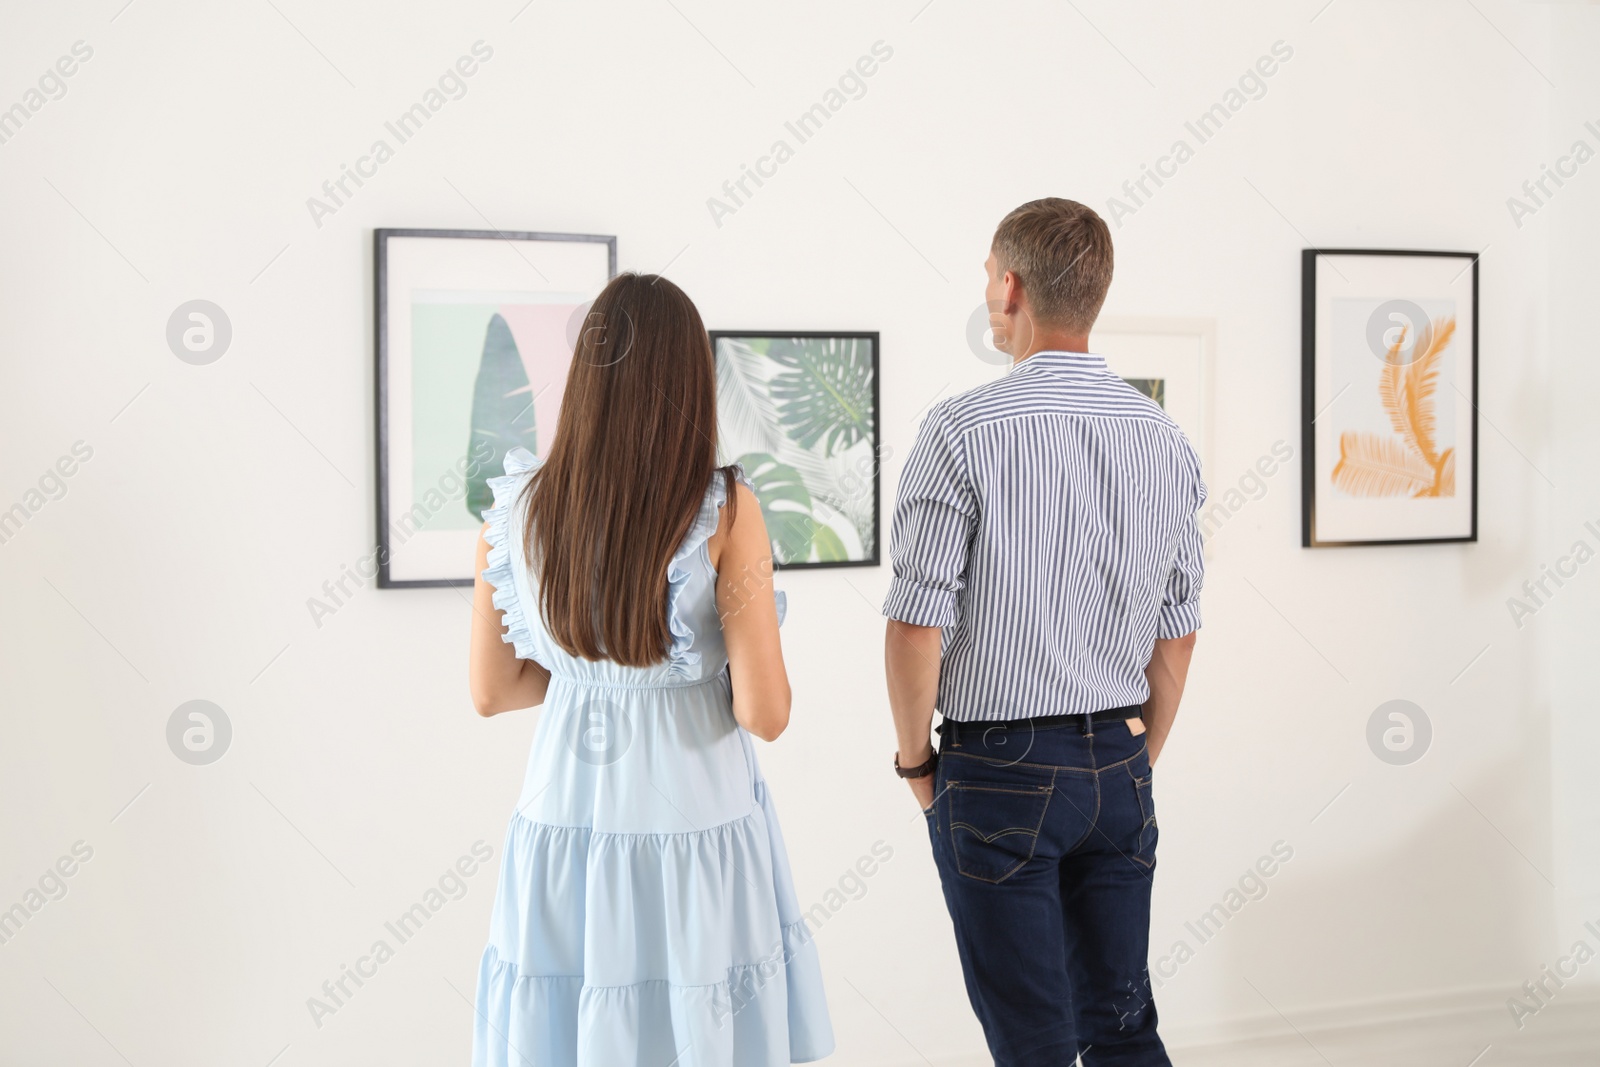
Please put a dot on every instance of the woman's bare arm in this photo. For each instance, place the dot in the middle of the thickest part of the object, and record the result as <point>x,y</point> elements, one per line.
<point>500,681</point>
<point>742,556</point>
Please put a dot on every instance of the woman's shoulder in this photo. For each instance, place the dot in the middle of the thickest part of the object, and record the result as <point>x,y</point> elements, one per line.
<point>729,485</point>
<point>520,462</point>
<point>505,549</point>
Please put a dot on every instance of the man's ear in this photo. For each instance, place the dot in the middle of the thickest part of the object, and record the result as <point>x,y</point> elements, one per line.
<point>1011,293</point>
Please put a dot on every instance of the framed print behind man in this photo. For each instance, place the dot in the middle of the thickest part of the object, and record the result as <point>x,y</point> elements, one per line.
<point>1169,360</point>
<point>475,332</point>
<point>1389,395</point>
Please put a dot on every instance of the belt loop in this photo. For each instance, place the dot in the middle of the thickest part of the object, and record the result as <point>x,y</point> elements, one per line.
<point>1088,724</point>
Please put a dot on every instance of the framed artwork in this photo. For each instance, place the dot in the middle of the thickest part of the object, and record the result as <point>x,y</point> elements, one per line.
<point>475,331</point>
<point>1389,397</point>
<point>800,412</point>
<point>1169,360</point>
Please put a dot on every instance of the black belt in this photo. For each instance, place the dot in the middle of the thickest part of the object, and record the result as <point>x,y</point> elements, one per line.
<point>1044,722</point>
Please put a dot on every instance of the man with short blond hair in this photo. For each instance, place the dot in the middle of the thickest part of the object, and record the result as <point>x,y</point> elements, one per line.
<point>1045,600</point>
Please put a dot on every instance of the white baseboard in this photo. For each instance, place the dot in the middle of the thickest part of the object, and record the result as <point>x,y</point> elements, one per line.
<point>1405,1031</point>
<point>1421,1009</point>
<point>1394,1029</point>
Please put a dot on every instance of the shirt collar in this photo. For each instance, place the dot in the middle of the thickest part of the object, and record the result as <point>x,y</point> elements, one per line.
<point>1073,364</point>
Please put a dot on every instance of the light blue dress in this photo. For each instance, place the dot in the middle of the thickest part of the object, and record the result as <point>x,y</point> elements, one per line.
<point>645,915</point>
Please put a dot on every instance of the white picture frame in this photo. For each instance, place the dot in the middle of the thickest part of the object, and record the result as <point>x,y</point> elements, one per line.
<point>1180,353</point>
<point>427,525</point>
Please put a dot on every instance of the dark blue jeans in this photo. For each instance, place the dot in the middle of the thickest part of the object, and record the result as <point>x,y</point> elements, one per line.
<point>1045,840</point>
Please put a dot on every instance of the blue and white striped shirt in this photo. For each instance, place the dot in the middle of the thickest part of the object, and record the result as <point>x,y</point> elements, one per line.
<point>1047,521</point>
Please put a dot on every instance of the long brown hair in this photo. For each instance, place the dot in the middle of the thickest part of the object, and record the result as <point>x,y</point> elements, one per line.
<point>626,473</point>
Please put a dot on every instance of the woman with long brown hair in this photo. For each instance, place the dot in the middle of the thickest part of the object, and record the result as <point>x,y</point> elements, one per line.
<point>645,913</point>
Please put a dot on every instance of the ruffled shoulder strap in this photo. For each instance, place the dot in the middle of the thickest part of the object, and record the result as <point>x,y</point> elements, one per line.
<point>682,656</point>
<point>501,570</point>
<point>501,574</point>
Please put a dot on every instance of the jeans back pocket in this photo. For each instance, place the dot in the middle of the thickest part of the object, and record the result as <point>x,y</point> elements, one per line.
<point>1145,845</point>
<point>994,828</point>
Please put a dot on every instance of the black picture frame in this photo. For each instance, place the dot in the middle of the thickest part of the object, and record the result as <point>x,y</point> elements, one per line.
<point>875,558</point>
<point>380,252</point>
<point>1308,397</point>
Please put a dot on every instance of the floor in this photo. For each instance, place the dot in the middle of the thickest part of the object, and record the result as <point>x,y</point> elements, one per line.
<point>1562,1035</point>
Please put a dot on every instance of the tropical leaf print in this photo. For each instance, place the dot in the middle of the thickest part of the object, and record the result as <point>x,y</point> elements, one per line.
<point>785,505</point>
<point>1446,483</point>
<point>827,547</point>
<point>1370,465</point>
<point>824,392</point>
<point>502,412</point>
<point>1409,463</point>
<point>745,411</point>
<point>1154,388</point>
<point>804,405</point>
<point>747,414</point>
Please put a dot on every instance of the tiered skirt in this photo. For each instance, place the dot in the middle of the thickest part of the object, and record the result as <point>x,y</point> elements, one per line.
<point>646,913</point>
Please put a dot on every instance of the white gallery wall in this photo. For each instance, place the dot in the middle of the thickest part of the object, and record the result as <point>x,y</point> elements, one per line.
<point>208,504</point>
<point>1572,444</point>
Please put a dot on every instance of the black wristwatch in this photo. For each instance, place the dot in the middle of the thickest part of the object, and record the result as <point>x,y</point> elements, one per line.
<point>921,770</point>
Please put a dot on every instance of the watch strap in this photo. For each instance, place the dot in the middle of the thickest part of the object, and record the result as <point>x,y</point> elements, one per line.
<point>922,770</point>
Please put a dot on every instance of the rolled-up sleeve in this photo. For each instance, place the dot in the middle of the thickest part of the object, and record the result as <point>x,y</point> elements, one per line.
<point>1180,600</point>
<point>934,518</point>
